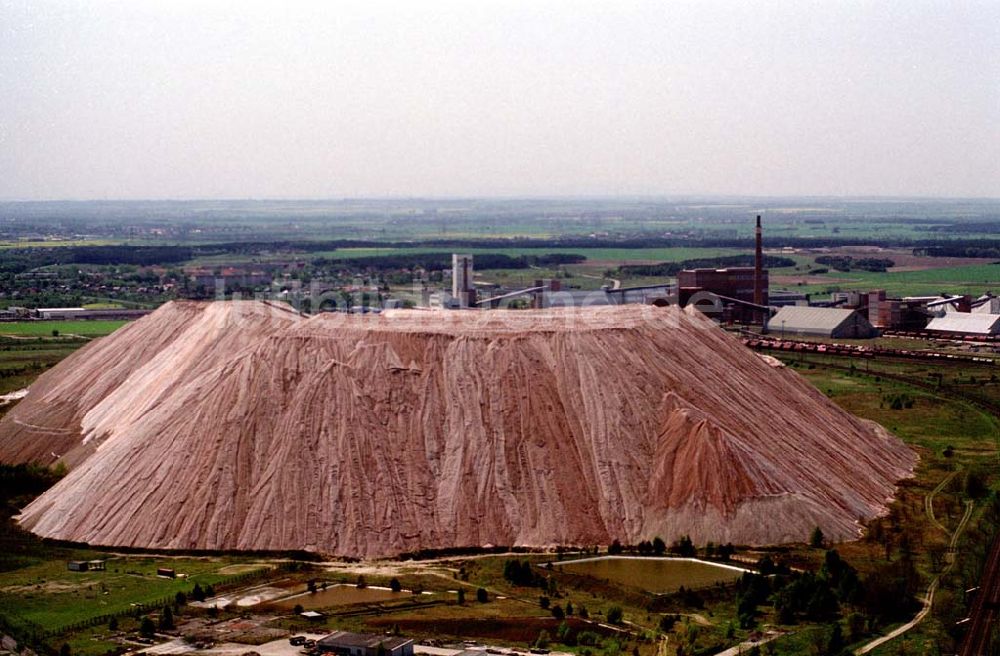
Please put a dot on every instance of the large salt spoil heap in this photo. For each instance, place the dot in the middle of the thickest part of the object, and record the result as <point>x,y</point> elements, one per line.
<point>243,425</point>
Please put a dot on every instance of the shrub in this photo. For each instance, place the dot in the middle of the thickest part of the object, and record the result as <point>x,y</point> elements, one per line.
<point>146,628</point>
<point>166,619</point>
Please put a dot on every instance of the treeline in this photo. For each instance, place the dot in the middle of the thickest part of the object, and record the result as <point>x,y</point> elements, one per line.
<point>959,251</point>
<point>847,263</point>
<point>670,269</point>
<point>979,227</point>
<point>683,547</point>
<point>17,260</point>
<point>442,261</point>
<point>21,483</point>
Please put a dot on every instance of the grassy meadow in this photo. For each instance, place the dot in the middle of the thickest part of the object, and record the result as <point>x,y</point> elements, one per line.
<point>49,595</point>
<point>82,327</point>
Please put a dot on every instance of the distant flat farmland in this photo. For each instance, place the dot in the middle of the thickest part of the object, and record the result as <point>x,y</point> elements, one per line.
<point>600,254</point>
<point>967,279</point>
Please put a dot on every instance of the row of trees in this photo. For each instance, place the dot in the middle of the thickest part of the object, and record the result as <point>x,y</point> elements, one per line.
<point>848,263</point>
<point>683,547</point>
<point>670,269</point>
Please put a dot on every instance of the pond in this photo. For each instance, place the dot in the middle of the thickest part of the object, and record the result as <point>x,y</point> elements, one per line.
<point>338,595</point>
<point>657,575</point>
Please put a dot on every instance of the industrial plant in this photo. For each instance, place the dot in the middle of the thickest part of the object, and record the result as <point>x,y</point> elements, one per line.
<point>742,296</point>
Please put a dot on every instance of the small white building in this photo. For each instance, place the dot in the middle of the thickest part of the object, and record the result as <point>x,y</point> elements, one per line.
<point>61,313</point>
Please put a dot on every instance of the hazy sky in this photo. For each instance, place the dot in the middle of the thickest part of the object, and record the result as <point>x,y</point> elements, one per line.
<point>194,99</point>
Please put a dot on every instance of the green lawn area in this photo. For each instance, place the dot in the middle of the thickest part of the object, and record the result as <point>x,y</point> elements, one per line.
<point>103,306</point>
<point>48,594</point>
<point>87,328</point>
<point>23,360</point>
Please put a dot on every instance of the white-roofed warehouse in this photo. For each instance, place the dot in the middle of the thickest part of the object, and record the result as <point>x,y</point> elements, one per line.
<point>821,322</point>
<point>966,323</point>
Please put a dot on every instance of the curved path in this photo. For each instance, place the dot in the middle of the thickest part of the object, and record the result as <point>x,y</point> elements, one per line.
<point>929,499</point>
<point>928,600</point>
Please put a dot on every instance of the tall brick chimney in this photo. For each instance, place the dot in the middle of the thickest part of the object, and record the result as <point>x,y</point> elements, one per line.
<point>758,268</point>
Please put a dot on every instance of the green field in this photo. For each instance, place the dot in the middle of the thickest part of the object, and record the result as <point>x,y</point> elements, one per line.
<point>968,279</point>
<point>932,422</point>
<point>49,595</point>
<point>28,348</point>
<point>85,328</point>
<point>23,360</point>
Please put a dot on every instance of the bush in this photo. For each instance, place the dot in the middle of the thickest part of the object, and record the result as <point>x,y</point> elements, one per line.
<point>146,628</point>
<point>395,585</point>
<point>520,573</point>
<point>816,539</point>
<point>615,615</point>
<point>197,593</point>
<point>482,596</point>
<point>566,635</point>
<point>667,623</point>
<point>684,547</point>
<point>975,484</point>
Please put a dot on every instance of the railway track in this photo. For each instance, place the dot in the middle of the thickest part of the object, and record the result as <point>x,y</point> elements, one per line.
<point>984,613</point>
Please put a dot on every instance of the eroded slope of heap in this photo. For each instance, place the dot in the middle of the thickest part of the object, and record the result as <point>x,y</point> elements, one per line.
<point>242,425</point>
